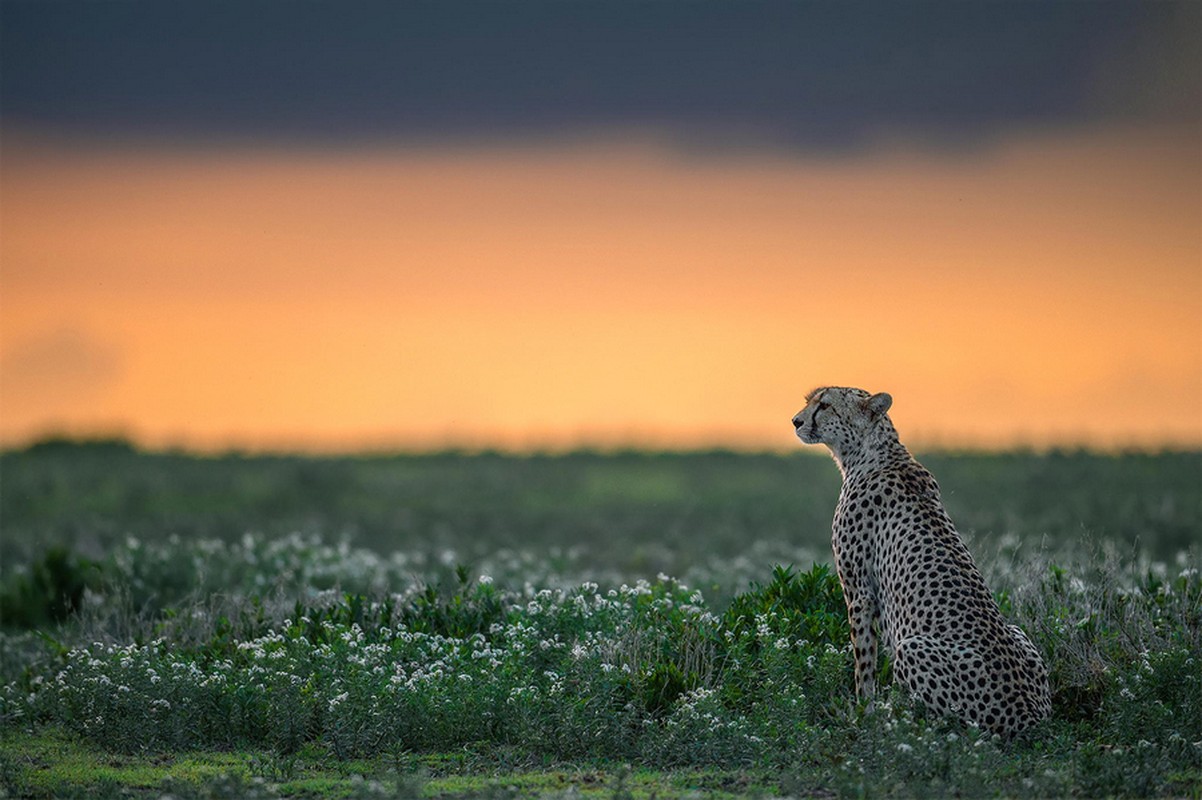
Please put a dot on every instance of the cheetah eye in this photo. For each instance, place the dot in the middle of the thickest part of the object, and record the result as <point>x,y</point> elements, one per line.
<point>822,405</point>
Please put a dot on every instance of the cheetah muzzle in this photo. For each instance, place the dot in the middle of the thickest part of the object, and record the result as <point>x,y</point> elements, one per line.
<point>909,579</point>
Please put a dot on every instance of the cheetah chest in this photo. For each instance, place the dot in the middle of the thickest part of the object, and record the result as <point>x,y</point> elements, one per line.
<point>895,545</point>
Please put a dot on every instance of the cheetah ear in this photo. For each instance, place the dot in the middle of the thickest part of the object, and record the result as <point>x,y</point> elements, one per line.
<point>878,404</point>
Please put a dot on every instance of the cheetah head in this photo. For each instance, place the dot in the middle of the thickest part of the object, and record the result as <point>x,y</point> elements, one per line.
<point>840,417</point>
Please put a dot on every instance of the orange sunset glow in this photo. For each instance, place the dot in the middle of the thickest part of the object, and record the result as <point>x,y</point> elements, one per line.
<point>1044,289</point>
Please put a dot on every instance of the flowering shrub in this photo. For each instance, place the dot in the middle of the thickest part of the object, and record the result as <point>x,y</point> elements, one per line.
<point>648,672</point>
<point>640,672</point>
<point>643,668</point>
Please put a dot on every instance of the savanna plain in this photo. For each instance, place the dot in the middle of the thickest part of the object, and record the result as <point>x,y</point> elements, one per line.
<point>587,624</point>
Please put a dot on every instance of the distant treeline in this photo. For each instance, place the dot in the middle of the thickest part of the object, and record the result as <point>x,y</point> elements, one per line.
<point>66,444</point>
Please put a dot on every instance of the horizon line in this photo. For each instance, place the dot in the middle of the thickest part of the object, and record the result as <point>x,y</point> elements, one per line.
<point>101,441</point>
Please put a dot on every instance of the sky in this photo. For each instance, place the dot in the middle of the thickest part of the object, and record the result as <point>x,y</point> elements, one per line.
<point>326,226</point>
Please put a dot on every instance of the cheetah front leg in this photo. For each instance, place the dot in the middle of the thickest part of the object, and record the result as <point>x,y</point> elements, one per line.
<point>862,611</point>
<point>861,615</point>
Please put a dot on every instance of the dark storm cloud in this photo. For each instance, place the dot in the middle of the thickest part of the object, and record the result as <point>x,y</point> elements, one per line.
<point>800,74</point>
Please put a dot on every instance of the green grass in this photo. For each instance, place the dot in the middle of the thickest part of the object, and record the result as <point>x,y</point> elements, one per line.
<point>491,626</point>
<point>52,764</point>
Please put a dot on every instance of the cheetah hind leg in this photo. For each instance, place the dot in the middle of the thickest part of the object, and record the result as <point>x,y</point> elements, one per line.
<point>1024,644</point>
<point>939,674</point>
<point>1040,692</point>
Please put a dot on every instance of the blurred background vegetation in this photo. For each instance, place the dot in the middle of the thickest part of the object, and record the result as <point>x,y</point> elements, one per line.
<point>632,512</point>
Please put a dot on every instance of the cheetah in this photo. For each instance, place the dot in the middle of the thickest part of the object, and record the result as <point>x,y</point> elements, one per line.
<point>907,575</point>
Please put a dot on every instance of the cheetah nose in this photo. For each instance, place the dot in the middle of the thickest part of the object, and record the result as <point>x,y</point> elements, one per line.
<point>797,421</point>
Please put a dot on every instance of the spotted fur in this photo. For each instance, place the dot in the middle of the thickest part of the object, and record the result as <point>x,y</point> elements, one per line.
<point>907,575</point>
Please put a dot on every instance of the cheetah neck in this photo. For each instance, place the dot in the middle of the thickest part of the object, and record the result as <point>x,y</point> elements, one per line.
<point>879,448</point>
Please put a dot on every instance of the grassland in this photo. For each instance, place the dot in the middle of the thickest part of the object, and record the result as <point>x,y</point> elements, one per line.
<point>619,625</point>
